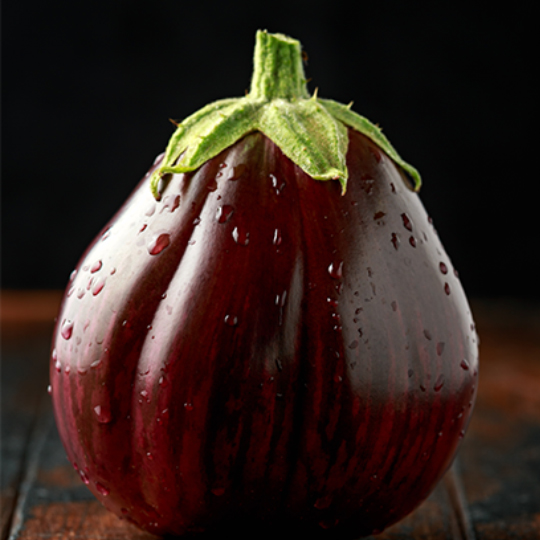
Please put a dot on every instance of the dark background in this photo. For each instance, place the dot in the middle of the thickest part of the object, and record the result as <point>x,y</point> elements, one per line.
<point>88,88</point>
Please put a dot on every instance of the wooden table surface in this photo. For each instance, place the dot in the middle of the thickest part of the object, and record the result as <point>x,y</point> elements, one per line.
<point>492,491</point>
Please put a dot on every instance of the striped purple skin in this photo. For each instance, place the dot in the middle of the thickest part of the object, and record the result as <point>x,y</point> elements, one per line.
<point>258,350</point>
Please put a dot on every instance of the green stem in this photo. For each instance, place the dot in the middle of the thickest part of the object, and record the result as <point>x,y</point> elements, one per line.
<point>278,72</point>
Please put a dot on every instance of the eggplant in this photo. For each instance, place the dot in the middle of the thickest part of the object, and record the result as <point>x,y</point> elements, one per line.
<point>269,334</point>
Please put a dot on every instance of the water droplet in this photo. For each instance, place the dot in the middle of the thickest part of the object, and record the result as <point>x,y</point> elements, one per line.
<point>278,187</point>
<point>277,238</point>
<point>379,215</point>
<point>439,383</point>
<point>440,348</point>
<point>336,270</point>
<point>84,477</point>
<point>224,212</point>
<point>406,222</point>
<point>395,240</point>
<point>96,267</point>
<point>159,243</point>
<point>394,305</point>
<point>102,489</point>
<point>49,389</point>
<point>464,365</point>
<point>392,187</point>
<point>98,287</point>
<point>67,328</point>
<point>231,320</point>
<point>412,241</point>
<point>447,288</point>
<point>103,414</point>
<point>353,344</point>
<point>188,406</point>
<point>151,210</point>
<point>443,268</point>
<point>96,364</point>
<point>171,203</point>
<point>212,185</point>
<point>240,237</point>
<point>427,333</point>
<point>410,373</point>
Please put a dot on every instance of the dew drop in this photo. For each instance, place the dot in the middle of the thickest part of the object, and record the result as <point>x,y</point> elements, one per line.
<point>159,243</point>
<point>440,348</point>
<point>84,477</point>
<point>102,489</point>
<point>188,406</point>
<point>171,203</point>
<point>443,268</point>
<point>412,241</point>
<point>224,213</point>
<point>427,334</point>
<point>410,373</point>
<point>96,267</point>
<point>395,240</point>
<point>240,237</point>
<point>406,221</point>
<point>464,365</point>
<point>353,344</point>
<point>67,329</point>
<point>98,287</point>
<point>336,270</point>
<point>49,389</point>
<point>231,320</point>
<point>151,210</point>
<point>103,415</point>
<point>394,305</point>
<point>277,237</point>
<point>447,288</point>
<point>379,215</point>
<point>439,383</point>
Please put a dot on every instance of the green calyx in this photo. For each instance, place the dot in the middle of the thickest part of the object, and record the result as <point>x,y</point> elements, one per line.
<point>310,131</point>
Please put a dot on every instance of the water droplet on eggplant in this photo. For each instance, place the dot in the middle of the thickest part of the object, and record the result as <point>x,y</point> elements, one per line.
<point>336,270</point>
<point>159,243</point>
<point>240,236</point>
<point>406,222</point>
<point>102,489</point>
<point>67,329</point>
<point>224,213</point>
<point>439,383</point>
<point>230,320</point>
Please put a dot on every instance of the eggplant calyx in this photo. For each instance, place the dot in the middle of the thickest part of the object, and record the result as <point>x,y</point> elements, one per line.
<point>310,131</point>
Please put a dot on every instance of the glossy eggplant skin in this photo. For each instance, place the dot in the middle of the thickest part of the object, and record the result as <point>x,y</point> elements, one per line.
<point>258,349</point>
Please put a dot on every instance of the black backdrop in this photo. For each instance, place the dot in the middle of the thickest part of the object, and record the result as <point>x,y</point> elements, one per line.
<point>88,88</point>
